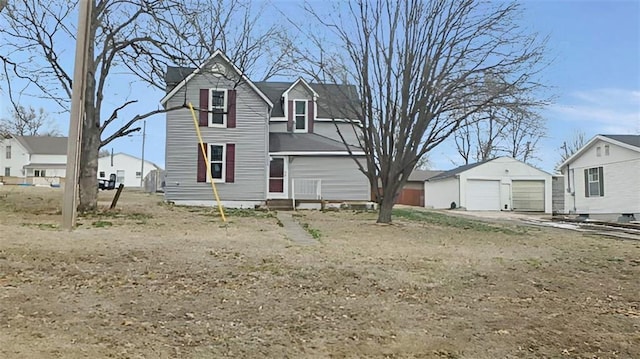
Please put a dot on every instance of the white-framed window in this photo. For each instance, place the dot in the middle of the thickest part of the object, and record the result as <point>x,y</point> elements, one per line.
<point>598,151</point>
<point>217,107</point>
<point>217,156</point>
<point>606,150</point>
<point>101,174</point>
<point>7,171</point>
<point>39,173</point>
<point>300,115</point>
<point>8,153</point>
<point>138,174</point>
<point>594,182</point>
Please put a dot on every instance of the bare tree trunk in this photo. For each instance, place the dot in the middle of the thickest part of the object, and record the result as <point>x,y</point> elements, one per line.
<point>90,139</point>
<point>89,169</point>
<point>386,207</point>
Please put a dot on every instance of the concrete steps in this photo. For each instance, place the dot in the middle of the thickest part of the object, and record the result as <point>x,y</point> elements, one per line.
<point>280,204</point>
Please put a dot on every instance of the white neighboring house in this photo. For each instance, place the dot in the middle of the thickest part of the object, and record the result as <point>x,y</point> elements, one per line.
<point>602,179</point>
<point>37,160</point>
<point>502,183</point>
<point>128,169</point>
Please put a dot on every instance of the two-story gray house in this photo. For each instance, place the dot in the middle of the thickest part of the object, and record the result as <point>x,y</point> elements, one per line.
<point>263,140</point>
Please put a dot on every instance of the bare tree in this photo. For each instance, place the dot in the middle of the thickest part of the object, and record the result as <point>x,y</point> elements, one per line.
<point>419,70</point>
<point>577,141</point>
<point>132,41</point>
<point>509,126</point>
<point>27,122</point>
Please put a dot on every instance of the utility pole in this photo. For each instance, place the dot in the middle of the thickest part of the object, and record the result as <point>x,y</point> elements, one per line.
<point>70,198</point>
<point>144,132</point>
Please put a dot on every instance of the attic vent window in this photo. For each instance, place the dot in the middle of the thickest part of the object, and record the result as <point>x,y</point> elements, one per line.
<point>598,151</point>
<point>606,150</point>
<point>218,70</point>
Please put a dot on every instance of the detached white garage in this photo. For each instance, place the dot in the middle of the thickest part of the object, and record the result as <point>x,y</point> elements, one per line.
<point>503,183</point>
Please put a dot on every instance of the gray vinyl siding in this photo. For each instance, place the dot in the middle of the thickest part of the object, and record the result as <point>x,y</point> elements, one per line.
<point>341,179</point>
<point>299,92</point>
<point>328,129</point>
<point>278,127</point>
<point>250,138</point>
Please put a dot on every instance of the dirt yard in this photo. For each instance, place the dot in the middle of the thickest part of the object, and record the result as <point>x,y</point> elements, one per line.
<point>152,280</point>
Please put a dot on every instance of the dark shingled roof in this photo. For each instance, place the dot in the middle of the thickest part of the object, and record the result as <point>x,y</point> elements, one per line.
<point>633,140</point>
<point>422,175</point>
<point>44,145</point>
<point>455,171</point>
<point>335,101</point>
<point>304,142</point>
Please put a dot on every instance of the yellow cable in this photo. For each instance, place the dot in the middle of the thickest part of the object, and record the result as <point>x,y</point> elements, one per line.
<point>206,159</point>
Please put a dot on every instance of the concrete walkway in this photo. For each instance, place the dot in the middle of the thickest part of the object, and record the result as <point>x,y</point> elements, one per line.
<point>295,232</point>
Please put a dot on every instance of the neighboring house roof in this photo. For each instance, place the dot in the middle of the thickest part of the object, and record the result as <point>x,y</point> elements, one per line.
<point>463,168</point>
<point>306,143</point>
<point>46,165</point>
<point>457,170</point>
<point>173,87</point>
<point>422,175</point>
<point>43,145</point>
<point>631,142</point>
<point>132,156</point>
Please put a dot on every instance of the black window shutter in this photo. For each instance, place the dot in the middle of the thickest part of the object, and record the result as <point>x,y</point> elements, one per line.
<point>586,182</point>
<point>601,178</point>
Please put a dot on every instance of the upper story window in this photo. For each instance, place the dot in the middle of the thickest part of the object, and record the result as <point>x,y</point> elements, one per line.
<point>300,116</point>
<point>217,107</point>
<point>598,151</point>
<point>8,155</point>
<point>606,150</point>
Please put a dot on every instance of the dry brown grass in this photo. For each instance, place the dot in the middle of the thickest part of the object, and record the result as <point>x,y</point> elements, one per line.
<point>160,281</point>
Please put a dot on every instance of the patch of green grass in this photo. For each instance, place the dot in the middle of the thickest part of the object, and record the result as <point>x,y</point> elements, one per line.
<point>245,212</point>
<point>314,232</point>
<point>534,262</point>
<point>42,225</point>
<point>444,220</point>
<point>102,224</point>
<point>134,216</point>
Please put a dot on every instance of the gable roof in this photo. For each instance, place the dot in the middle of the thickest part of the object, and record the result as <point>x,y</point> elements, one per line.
<point>457,170</point>
<point>131,156</point>
<point>422,175</point>
<point>343,105</point>
<point>631,142</point>
<point>305,84</point>
<point>178,71</point>
<point>306,142</point>
<point>43,145</point>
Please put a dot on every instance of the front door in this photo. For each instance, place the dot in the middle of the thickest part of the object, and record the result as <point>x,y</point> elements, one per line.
<point>278,183</point>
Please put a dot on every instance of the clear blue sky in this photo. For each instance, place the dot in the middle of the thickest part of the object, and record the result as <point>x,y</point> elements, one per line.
<point>595,76</point>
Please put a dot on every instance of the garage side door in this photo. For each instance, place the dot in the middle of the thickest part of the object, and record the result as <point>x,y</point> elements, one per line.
<point>528,196</point>
<point>483,195</point>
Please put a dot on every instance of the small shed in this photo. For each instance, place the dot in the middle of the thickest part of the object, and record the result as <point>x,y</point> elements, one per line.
<point>412,194</point>
<point>502,183</point>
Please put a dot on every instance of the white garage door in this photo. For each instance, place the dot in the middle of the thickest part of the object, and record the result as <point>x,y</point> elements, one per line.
<point>483,195</point>
<point>528,196</point>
